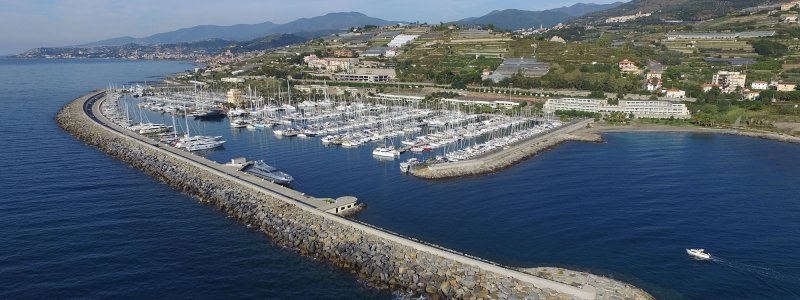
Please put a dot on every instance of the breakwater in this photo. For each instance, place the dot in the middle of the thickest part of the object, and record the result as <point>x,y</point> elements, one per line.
<point>379,257</point>
<point>507,157</point>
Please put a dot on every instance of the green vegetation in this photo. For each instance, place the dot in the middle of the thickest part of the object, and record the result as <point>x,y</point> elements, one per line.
<point>770,48</point>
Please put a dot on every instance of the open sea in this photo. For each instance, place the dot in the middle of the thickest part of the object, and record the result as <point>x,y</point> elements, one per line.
<point>75,223</point>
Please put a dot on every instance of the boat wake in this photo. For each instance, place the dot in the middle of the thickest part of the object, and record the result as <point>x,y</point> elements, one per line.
<point>761,272</point>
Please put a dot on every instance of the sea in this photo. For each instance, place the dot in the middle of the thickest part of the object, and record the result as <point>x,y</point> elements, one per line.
<point>75,223</point>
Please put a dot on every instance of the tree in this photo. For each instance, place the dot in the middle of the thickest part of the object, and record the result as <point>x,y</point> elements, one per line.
<point>770,48</point>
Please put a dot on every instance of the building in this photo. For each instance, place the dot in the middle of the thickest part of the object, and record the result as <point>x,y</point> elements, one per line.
<point>751,95</point>
<point>345,53</point>
<point>653,84</point>
<point>232,80</point>
<point>623,19</point>
<point>718,35</point>
<point>529,67</point>
<point>675,93</point>
<point>375,52</point>
<point>401,40</point>
<point>729,81</point>
<point>786,87</point>
<point>627,66</point>
<point>638,108</point>
<point>759,85</point>
<point>367,75</point>
<point>331,64</point>
<point>234,96</point>
<point>708,87</point>
<point>790,19</point>
<point>558,39</point>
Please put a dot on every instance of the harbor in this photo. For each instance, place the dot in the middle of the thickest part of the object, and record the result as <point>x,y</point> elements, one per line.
<point>120,142</point>
<point>410,131</point>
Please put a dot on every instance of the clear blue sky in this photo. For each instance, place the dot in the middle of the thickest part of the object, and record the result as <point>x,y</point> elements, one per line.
<point>27,24</point>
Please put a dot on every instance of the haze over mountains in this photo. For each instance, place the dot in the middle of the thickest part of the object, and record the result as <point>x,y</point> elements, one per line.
<point>306,27</point>
<point>510,19</point>
<point>513,19</point>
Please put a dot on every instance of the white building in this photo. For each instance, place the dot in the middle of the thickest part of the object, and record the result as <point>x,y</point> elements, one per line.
<point>232,80</point>
<point>401,40</point>
<point>759,85</point>
<point>729,81</point>
<point>675,93</point>
<point>638,108</point>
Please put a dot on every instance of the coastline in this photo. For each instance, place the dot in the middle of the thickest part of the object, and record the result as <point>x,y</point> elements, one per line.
<point>589,132</point>
<point>381,258</point>
<point>638,127</point>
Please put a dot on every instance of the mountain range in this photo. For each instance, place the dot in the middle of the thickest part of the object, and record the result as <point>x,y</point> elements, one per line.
<point>513,19</point>
<point>678,9</point>
<point>304,27</point>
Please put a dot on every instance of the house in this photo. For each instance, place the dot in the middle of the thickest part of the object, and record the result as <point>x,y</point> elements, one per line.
<point>627,66</point>
<point>708,86</point>
<point>759,85</point>
<point>751,95</point>
<point>790,19</point>
<point>786,86</point>
<point>652,84</point>
<point>676,93</point>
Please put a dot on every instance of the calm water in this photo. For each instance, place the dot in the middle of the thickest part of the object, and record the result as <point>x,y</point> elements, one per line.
<point>75,223</point>
<point>79,223</point>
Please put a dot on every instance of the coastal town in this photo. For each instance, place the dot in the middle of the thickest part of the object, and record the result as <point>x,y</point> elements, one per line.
<point>300,132</point>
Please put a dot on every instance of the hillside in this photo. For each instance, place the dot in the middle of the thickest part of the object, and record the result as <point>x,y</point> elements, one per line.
<point>243,32</point>
<point>513,19</point>
<point>678,9</point>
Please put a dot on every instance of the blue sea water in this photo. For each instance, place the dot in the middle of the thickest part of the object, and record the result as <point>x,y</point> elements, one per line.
<point>78,223</point>
<point>75,223</point>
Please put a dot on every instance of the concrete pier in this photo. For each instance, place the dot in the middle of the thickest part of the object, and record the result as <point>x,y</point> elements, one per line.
<point>505,158</point>
<point>291,219</point>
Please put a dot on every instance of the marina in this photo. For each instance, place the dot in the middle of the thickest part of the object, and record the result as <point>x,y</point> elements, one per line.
<point>430,132</point>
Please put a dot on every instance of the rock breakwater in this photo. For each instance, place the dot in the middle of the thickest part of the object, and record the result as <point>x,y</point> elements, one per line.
<point>380,258</point>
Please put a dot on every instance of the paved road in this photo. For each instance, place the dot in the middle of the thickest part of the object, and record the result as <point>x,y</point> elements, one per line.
<point>91,107</point>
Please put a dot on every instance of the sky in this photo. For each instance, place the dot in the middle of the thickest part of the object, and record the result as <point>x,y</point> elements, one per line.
<point>26,24</point>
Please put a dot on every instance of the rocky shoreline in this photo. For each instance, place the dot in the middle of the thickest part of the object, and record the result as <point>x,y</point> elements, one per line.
<point>382,260</point>
<point>780,137</point>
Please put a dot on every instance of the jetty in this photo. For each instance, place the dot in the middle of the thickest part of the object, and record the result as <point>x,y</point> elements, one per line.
<point>305,224</point>
<point>506,157</point>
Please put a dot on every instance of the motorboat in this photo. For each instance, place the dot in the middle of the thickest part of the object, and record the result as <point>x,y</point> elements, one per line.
<point>699,254</point>
<point>267,172</point>
<point>386,152</point>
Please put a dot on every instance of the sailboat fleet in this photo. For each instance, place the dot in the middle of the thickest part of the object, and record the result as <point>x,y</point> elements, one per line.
<point>449,132</point>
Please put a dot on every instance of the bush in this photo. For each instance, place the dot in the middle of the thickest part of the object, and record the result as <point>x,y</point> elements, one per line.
<point>770,48</point>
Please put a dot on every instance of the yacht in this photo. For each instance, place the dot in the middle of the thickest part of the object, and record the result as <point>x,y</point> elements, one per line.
<point>386,152</point>
<point>209,114</point>
<point>699,254</point>
<point>202,145</point>
<point>410,163</point>
<point>265,171</point>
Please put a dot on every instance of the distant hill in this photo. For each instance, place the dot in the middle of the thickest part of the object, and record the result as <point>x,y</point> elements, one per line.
<point>679,9</point>
<point>308,27</point>
<point>513,19</point>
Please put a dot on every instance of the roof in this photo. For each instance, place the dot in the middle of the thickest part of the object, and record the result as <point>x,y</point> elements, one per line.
<point>626,61</point>
<point>674,90</point>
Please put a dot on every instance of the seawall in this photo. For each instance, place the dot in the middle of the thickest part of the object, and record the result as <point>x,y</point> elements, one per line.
<point>381,258</point>
<point>507,157</point>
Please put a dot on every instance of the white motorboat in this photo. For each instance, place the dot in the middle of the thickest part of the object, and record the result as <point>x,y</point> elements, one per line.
<point>699,254</point>
<point>386,152</point>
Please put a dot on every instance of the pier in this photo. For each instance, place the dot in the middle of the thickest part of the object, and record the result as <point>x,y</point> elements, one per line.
<point>504,158</point>
<point>303,223</point>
